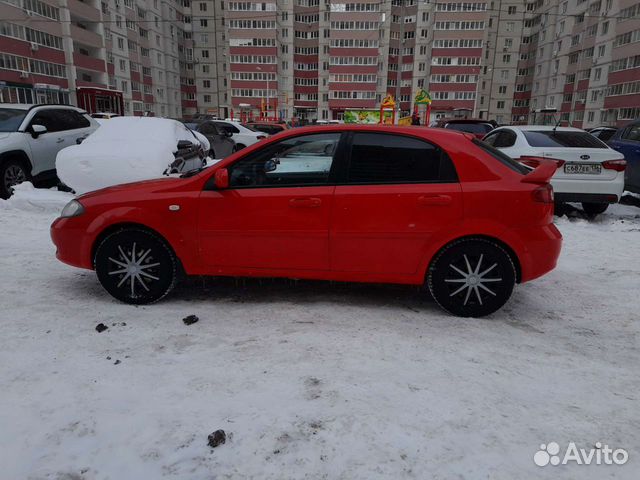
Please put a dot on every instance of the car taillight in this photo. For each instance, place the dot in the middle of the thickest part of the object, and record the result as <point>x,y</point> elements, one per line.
<point>543,194</point>
<point>617,165</point>
<point>534,162</point>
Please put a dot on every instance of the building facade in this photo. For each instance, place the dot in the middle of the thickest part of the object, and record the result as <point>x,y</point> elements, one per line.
<point>315,59</point>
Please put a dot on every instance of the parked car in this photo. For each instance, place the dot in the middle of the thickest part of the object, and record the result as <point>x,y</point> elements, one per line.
<point>201,117</point>
<point>627,141</point>
<point>30,138</point>
<point>603,133</point>
<point>243,135</point>
<point>270,128</point>
<point>222,145</point>
<point>129,149</point>
<point>104,115</point>
<point>477,127</point>
<point>589,171</point>
<point>344,203</point>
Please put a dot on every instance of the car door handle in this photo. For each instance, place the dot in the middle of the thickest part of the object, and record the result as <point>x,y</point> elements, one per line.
<point>60,140</point>
<point>434,200</point>
<point>305,202</point>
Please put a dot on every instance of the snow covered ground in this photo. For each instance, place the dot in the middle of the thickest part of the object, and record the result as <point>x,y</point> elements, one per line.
<point>313,380</point>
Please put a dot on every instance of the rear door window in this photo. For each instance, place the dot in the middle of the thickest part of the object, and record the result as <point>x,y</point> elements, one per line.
<point>378,158</point>
<point>562,139</point>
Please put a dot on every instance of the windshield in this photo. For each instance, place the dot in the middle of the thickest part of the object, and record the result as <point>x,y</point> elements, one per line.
<point>470,127</point>
<point>10,119</point>
<point>562,139</point>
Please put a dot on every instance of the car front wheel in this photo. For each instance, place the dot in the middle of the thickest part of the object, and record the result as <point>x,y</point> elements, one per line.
<point>593,209</point>
<point>472,277</point>
<point>12,172</point>
<point>136,266</point>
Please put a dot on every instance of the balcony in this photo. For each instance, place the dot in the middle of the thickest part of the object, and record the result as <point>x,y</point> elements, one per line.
<point>83,35</point>
<point>84,10</point>
<point>89,63</point>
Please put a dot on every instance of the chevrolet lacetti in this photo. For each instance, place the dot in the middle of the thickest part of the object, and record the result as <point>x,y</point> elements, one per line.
<point>405,205</point>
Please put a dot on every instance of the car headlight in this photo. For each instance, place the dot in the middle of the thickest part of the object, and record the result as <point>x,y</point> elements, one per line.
<point>72,209</point>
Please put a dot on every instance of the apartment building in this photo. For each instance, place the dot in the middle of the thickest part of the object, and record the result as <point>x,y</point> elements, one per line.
<point>314,59</point>
<point>108,55</point>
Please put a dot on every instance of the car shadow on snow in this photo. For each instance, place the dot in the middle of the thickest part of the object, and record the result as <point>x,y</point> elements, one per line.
<point>275,290</point>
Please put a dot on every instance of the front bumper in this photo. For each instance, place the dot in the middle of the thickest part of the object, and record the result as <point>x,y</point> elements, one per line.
<point>70,240</point>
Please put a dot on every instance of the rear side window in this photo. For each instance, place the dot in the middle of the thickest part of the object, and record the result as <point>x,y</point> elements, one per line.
<point>632,133</point>
<point>384,158</point>
<point>502,158</point>
<point>562,139</point>
<point>208,128</point>
<point>226,127</point>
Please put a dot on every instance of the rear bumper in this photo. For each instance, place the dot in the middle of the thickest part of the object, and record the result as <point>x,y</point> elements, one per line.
<point>586,197</point>
<point>584,189</point>
<point>543,245</point>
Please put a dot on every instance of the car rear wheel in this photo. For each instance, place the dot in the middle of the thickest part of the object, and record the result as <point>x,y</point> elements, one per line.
<point>472,277</point>
<point>593,209</point>
<point>240,146</point>
<point>12,172</point>
<point>136,266</point>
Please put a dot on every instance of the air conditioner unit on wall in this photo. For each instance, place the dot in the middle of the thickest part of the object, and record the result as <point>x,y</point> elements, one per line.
<point>24,74</point>
<point>34,47</point>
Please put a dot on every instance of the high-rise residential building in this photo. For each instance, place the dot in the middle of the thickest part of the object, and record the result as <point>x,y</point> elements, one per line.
<point>314,59</point>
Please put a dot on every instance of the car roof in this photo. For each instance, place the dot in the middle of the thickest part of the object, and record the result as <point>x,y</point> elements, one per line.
<point>418,131</point>
<point>17,106</point>
<point>542,128</point>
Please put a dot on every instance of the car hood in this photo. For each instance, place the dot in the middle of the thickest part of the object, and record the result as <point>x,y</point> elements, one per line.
<point>165,183</point>
<point>4,135</point>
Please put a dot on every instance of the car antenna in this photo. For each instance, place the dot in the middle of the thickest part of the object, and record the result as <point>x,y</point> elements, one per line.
<point>557,125</point>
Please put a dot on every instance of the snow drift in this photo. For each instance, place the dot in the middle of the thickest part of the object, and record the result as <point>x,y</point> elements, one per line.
<point>124,149</point>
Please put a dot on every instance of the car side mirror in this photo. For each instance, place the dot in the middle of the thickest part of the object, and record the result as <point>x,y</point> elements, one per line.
<point>271,165</point>
<point>37,130</point>
<point>228,133</point>
<point>222,178</point>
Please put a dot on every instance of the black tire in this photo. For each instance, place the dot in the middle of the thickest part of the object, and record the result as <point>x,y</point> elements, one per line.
<point>212,153</point>
<point>593,209</point>
<point>159,265</point>
<point>12,172</point>
<point>240,146</point>
<point>445,277</point>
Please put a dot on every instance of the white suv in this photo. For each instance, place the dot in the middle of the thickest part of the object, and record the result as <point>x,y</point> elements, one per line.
<point>32,135</point>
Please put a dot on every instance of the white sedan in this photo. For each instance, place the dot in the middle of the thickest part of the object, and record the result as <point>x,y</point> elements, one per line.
<point>589,171</point>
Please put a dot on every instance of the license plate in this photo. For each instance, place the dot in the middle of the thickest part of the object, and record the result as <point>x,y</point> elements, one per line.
<point>583,168</point>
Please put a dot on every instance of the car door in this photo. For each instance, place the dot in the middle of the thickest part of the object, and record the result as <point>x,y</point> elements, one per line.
<point>46,146</point>
<point>396,193</point>
<point>275,213</point>
<point>209,130</point>
<point>627,142</point>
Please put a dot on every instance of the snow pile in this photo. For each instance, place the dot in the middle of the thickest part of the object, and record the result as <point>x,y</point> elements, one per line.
<point>124,149</point>
<point>28,198</point>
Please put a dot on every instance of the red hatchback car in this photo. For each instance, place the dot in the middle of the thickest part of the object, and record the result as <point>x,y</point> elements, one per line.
<point>382,204</point>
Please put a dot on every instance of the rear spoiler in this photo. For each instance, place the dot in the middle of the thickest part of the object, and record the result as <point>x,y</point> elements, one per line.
<point>542,174</point>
